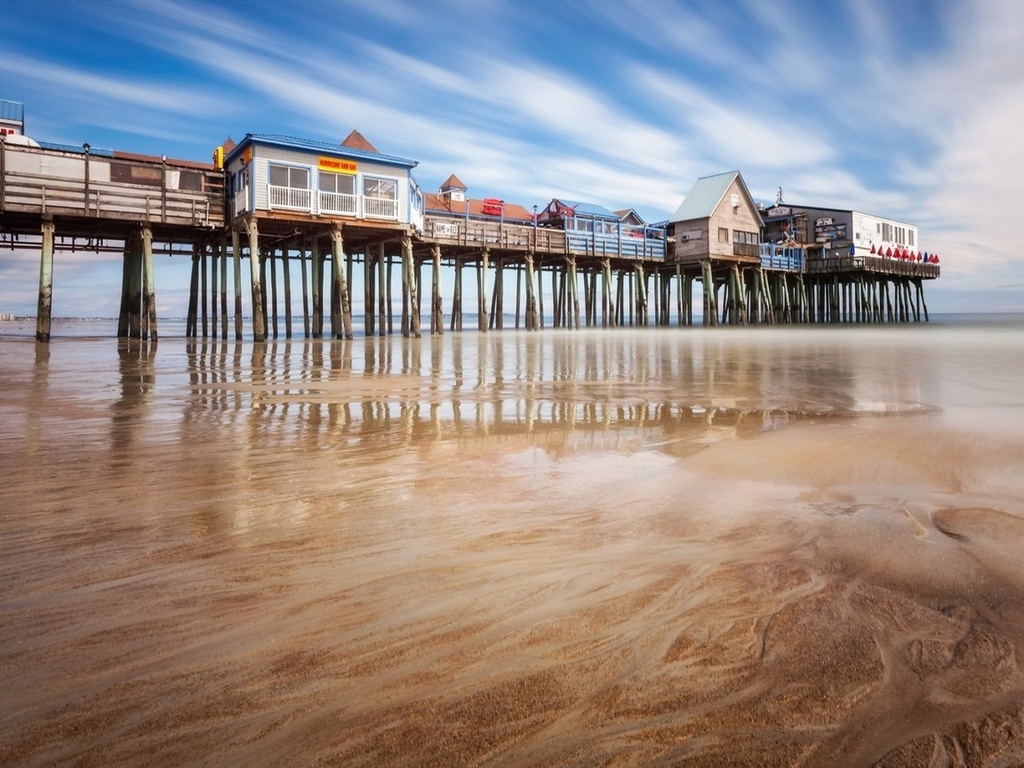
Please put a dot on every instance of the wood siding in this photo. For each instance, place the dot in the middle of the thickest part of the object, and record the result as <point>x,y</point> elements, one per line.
<point>700,239</point>
<point>263,156</point>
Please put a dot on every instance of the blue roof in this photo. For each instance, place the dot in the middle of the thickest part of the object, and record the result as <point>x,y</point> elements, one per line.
<point>12,110</point>
<point>291,142</point>
<point>587,209</point>
<point>705,195</point>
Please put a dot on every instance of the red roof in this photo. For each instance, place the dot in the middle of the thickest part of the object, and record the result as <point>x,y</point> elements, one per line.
<point>356,140</point>
<point>438,203</point>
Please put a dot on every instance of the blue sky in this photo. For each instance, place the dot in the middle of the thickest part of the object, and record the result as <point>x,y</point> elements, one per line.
<point>909,109</point>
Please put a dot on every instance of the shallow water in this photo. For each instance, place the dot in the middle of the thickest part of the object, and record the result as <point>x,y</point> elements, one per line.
<point>702,547</point>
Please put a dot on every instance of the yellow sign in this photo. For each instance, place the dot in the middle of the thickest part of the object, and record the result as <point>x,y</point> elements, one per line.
<point>334,165</point>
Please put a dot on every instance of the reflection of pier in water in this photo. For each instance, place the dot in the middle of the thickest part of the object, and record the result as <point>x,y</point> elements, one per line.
<point>604,388</point>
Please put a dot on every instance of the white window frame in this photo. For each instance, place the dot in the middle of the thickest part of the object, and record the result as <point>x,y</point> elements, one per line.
<point>288,197</point>
<point>377,206</point>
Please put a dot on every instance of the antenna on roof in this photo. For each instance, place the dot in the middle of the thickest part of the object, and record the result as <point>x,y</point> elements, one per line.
<point>778,197</point>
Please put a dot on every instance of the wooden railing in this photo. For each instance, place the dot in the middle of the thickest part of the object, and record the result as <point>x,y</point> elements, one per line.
<point>875,264</point>
<point>449,230</point>
<point>783,257</point>
<point>63,183</point>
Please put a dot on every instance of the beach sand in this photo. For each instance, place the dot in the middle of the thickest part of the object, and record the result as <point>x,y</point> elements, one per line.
<point>208,559</point>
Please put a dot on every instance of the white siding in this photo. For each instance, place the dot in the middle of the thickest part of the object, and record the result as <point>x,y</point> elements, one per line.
<point>883,233</point>
<point>263,156</point>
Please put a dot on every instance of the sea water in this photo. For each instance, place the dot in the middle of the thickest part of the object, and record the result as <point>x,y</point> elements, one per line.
<point>732,546</point>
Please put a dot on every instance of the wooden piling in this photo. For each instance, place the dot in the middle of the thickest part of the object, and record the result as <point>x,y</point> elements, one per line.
<point>192,314</point>
<point>122,315</point>
<point>203,292</point>
<point>135,287</point>
<point>287,279</point>
<point>149,283</point>
<point>213,290</point>
<point>411,326</point>
<point>608,308</point>
<point>436,304</point>
<point>574,293</point>
<point>222,251</point>
<point>264,298</point>
<point>304,278</point>
<point>44,307</point>
<point>456,321</point>
<point>340,286</point>
<point>272,262</point>
<point>531,294</point>
<point>316,274</point>
<point>369,294</point>
<point>259,326</point>
<point>236,255</point>
<point>382,295</point>
<point>481,271</point>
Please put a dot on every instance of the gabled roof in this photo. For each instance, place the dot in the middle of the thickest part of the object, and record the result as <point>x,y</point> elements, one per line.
<point>322,147</point>
<point>356,140</point>
<point>630,216</point>
<point>453,182</point>
<point>706,195</point>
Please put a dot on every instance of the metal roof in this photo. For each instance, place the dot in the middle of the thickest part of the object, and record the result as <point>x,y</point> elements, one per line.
<point>12,110</point>
<point>704,197</point>
<point>587,209</point>
<point>291,142</point>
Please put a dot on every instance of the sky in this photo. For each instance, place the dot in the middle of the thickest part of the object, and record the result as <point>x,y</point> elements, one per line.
<point>910,110</point>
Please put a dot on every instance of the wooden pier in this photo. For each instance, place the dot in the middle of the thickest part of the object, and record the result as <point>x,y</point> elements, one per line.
<point>62,199</point>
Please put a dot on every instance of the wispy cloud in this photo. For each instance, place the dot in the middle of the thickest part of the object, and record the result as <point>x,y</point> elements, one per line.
<point>903,109</point>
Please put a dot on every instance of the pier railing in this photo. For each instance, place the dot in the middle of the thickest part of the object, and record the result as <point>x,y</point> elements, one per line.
<point>466,232</point>
<point>783,257</point>
<point>66,183</point>
<point>329,203</point>
<point>449,230</point>
<point>876,264</point>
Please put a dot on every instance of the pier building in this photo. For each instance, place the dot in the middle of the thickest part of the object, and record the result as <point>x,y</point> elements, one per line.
<point>275,202</point>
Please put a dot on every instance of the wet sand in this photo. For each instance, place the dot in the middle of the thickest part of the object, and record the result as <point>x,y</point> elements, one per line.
<point>711,549</point>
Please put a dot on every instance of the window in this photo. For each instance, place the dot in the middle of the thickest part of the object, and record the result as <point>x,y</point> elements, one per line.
<point>238,181</point>
<point>339,183</point>
<point>191,181</point>
<point>385,189</point>
<point>723,235</point>
<point>135,174</point>
<point>289,176</point>
<point>745,243</point>
<point>380,197</point>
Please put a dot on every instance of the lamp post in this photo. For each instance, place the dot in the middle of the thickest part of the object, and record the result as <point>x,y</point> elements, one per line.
<point>3,168</point>
<point>86,148</point>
